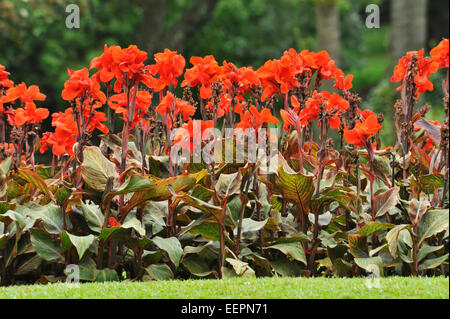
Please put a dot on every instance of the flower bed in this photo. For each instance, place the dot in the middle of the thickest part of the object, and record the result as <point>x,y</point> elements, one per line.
<point>169,195</point>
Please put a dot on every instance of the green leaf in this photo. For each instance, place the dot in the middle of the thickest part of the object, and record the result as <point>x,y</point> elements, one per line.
<point>208,229</point>
<point>5,165</point>
<point>50,214</point>
<point>426,249</point>
<point>196,266</point>
<point>93,216</point>
<point>170,245</point>
<point>286,268</point>
<point>3,240</point>
<point>373,227</point>
<point>433,263</point>
<point>296,188</point>
<point>434,180</point>
<point>373,265</point>
<point>81,243</point>
<point>96,168</point>
<point>45,246</point>
<point>160,192</point>
<point>36,180</point>
<point>159,272</point>
<point>386,201</point>
<point>250,225</point>
<point>31,264</point>
<point>208,208</point>
<point>292,250</point>
<point>89,272</point>
<point>242,269</point>
<point>358,245</point>
<point>104,275</point>
<point>135,224</point>
<point>392,237</point>
<point>432,223</point>
<point>228,184</point>
<point>132,184</point>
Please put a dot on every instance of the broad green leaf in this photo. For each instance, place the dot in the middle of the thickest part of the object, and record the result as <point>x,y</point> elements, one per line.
<point>132,184</point>
<point>45,245</point>
<point>205,207</point>
<point>250,225</point>
<point>228,184</point>
<point>29,265</point>
<point>5,165</point>
<point>3,240</point>
<point>358,245</point>
<point>134,223</point>
<point>93,216</point>
<point>286,268</point>
<point>392,237</point>
<point>36,180</point>
<point>386,201</point>
<point>292,250</point>
<point>96,168</point>
<point>172,246</point>
<point>242,269</point>
<point>372,264</point>
<point>81,243</point>
<point>159,272</point>
<point>373,227</point>
<point>432,223</point>
<point>208,229</point>
<point>426,249</point>
<point>160,192</point>
<point>104,275</point>
<point>50,214</point>
<point>196,266</point>
<point>433,263</point>
<point>434,180</point>
<point>296,188</point>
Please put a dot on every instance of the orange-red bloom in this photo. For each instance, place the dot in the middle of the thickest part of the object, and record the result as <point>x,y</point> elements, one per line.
<point>80,85</point>
<point>255,119</point>
<point>204,72</point>
<point>440,54</point>
<point>64,137</point>
<point>172,107</point>
<point>169,66</point>
<point>112,222</point>
<point>29,115</point>
<point>5,82</point>
<point>119,103</point>
<point>24,94</point>
<point>362,131</point>
<point>425,67</point>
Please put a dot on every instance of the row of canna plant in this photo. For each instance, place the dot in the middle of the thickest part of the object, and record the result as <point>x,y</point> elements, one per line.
<point>119,204</point>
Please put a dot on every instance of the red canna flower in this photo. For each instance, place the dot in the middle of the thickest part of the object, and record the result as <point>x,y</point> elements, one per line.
<point>5,82</point>
<point>112,222</point>
<point>425,67</point>
<point>119,103</point>
<point>244,79</point>
<point>365,113</point>
<point>204,72</point>
<point>343,82</point>
<point>29,115</point>
<point>64,137</point>
<point>169,66</point>
<point>440,54</point>
<point>255,119</point>
<point>171,107</point>
<point>189,126</point>
<point>362,131</point>
<point>104,64</point>
<point>24,94</point>
<point>333,104</point>
<point>80,85</point>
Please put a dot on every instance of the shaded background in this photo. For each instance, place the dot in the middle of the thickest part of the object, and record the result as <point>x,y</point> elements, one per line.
<point>36,47</point>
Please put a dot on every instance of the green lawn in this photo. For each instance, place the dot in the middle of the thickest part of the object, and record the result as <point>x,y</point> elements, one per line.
<point>278,288</point>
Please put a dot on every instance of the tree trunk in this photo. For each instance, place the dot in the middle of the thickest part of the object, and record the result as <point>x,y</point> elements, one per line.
<point>153,36</point>
<point>408,26</point>
<point>328,28</point>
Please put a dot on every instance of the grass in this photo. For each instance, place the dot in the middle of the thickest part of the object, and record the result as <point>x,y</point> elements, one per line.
<point>238,288</point>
